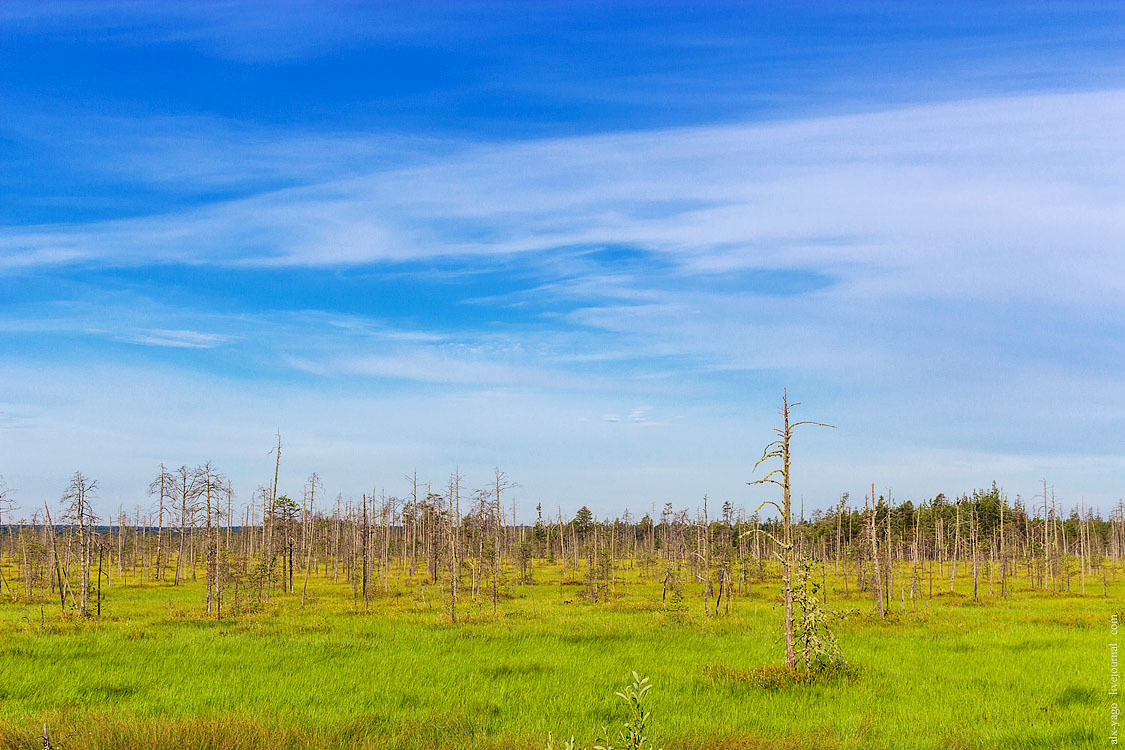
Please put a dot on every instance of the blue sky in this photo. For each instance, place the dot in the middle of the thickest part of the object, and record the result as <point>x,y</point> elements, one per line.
<point>587,243</point>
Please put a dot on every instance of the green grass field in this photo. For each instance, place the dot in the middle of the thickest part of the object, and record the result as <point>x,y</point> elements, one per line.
<point>1028,672</point>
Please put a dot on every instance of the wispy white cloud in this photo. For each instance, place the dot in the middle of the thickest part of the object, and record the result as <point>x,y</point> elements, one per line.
<point>640,414</point>
<point>989,203</point>
<point>428,365</point>
<point>956,201</point>
<point>175,339</point>
<point>974,302</point>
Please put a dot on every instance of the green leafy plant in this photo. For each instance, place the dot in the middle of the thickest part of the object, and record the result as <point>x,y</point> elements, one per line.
<point>632,734</point>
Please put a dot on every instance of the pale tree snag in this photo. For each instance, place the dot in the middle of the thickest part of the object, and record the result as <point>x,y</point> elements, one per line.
<point>501,484</point>
<point>314,482</point>
<point>366,600</point>
<point>1046,546</point>
<point>162,488</point>
<point>210,484</point>
<point>267,569</point>
<point>779,449</point>
<point>877,592</point>
<point>413,543</point>
<point>1003,550</point>
<point>77,500</point>
<point>975,541</point>
<point>186,486</point>
<point>914,558</point>
<point>55,555</point>
<point>706,539</point>
<point>230,517</point>
<point>889,588</point>
<point>455,539</point>
<point>7,504</point>
<point>1082,545</point>
<point>956,546</point>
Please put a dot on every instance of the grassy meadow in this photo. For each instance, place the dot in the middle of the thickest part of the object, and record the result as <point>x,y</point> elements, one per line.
<point>1030,671</point>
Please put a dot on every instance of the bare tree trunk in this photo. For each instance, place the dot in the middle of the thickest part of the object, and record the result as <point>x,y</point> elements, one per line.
<point>914,560</point>
<point>890,556</point>
<point>99,579</point>
<point>160,522</point>
<point>877,592</point>
<point>956,547</point>
<point>267,569</point>
<point>210,542</point>
<point>455,532</point>
<point>55,555</point>
<point>779,449</point>
<point>1003,552</point>
<point>1082,545</point>
<point>707,562</point>
<point>366,600</point>
<point>414,521</point>
<point>1046,546</point>
<point>308,547</point>
<point>976,550</point>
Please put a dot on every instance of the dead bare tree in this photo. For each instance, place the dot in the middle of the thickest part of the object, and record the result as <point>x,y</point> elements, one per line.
<point>501,483</point>
<point>185,485</point>
<point>77,498</point>
<point>779,450</point>
<point>455,539</point>
<point>7,505</point>
<point>55,557</point>
<point>162,488</point>
<point>268,519</point>
<point>877,591</point>
<point>210,485</point>
<point>310,492</point>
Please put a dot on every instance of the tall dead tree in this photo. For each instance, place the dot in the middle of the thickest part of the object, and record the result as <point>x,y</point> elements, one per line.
<point>455,540</point>
<point>956,546</point>
<point>1003,550</point>
<point>210,486</point>
<point>779,450</point>
<point>973,544</point>
<point>313,483</point>
<point>77,498</point>
<point>889,588</point>
<point>706,557</point>
<point>268,546</point>
<point>55,557</point>
<point>1046,546</point>
<point>413,544</point>
<point>7,505</point>
<point>185,485</point>
<point>877,592</point>
<point>162,488</point>
<point>366,600</point>
<point>501,483</point>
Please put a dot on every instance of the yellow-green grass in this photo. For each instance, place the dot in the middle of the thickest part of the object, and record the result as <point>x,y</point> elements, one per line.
<point>1031,671</point>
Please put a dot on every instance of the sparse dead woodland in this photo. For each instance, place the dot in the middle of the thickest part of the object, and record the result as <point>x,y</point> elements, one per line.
<point>434,620</point>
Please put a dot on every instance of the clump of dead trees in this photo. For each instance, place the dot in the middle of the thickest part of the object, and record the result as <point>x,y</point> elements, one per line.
<point>458,552</point>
